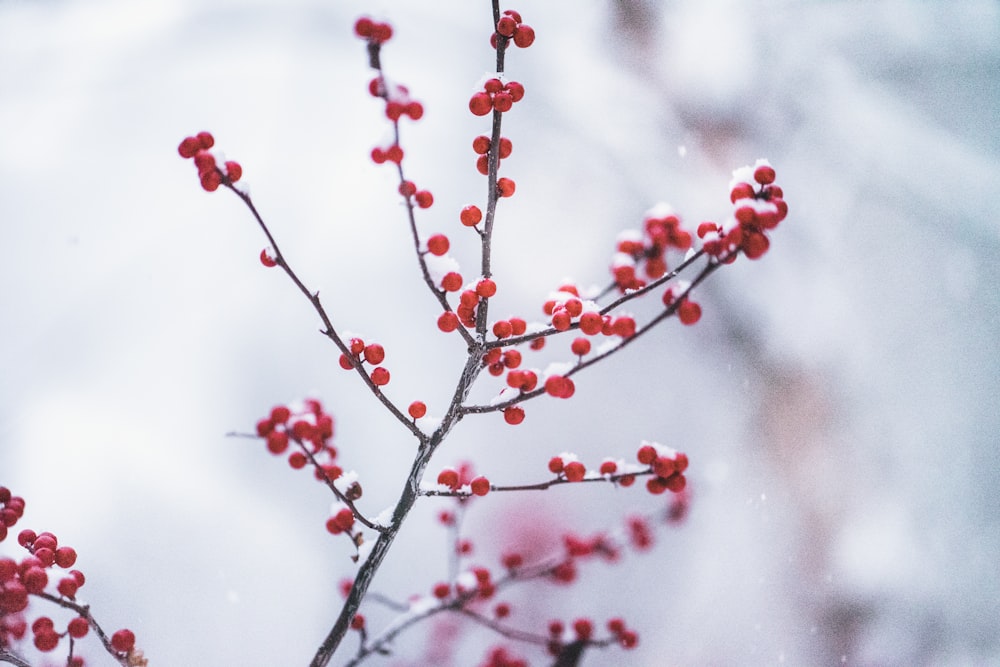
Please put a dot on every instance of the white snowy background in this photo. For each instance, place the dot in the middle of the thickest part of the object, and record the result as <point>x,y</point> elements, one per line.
<point>838,400</point>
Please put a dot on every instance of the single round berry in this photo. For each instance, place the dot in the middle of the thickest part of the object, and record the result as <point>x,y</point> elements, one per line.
<point>574,471</point>
<point>513,415</point>
<point>374,354</point>
<point>764,174</point>
<point>524,36</point>
<point>580,346</point>
<point>506,26</point>
<point>481,104</point>
<point>486,288</point>
<point>417,409</point>
<point>471,216</point>
<point>506,187</point>
<point>451,282</point>
<point>448,477</point>
<point>123,641</point>
<point>78,627</point>
<point>424,199</point>
<point>480,486</point>
<point>380,377</point>
<point>448,321</point>
<point>438,244</point>
<point>689,312</point>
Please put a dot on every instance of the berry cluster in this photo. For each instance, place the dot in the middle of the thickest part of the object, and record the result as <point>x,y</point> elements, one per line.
<point>210,173</point>
<point>31,576</point>
<point>495,95</point>
<point>462,480</point>
<point>482,145</point>
<point>758,207</point>
<point>510,28</point>
<point>373,31</point>
<point>661,230</point>
<point>311,428</point>
<point>366,353</point>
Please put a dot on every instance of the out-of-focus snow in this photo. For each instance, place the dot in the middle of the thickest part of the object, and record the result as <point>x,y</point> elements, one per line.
<point>837,399</point>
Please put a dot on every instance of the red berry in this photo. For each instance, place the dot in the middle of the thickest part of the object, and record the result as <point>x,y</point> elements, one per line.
<point>210,181</point>
<point>380,377</point>
<point>481,104</point>
<point>574,471</point>
<point>417,409</point>
<point>524,36</point>
<point>407,188</point>
<point>493,86</point>
<point>441,590</point>
<point>188,147</point>
<point>506,26</point>
<point>689,312</point>
<point>764,174</point>
<point>483,164</point>
<point>78,627</point>
<point>374,354</point>
<point>415,110</point>
<point>486,288</point>
<point>503,101</point>
<point>471,216</point>
<point>506,147</point>
<point>449,477</point>
<point>481,144</point>
<point>448,321</point>
<point>205,139</point>
<point>583,628</point>
<point>363,27</point>
<point>358,622</point>
<point>46,641</point>
<point>513,415</point>
<point>513,14</point>
<point>123,641</point>
<point>67,587</point>
<point>65,557</point>
<point>741,191</point>
<point>394,154</point>
<point>556,465</point>
<point>438,244</point>
<point>480,486</point>
<point>345,362</point>
<point>517,326</point>
<point>561,321</point>
<point>277,442</point>
<point>646,454</point>
<point>424,199</point>
<point>608,467</point>
<point>580,347</point>
<point>591,323</point>
<point>502,329</point>
<point>516,91</point>
<point>506,187</point>
<point>451,282</point>
<point>234,171</point>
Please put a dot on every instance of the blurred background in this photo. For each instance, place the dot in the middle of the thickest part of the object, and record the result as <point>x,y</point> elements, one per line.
<point>838,400</point>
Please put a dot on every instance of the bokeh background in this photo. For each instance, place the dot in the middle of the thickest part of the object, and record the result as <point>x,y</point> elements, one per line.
<point>838,400</point>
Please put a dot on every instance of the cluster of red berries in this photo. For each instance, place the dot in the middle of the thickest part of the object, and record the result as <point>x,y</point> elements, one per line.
<point>668,466</point>
<point>661,231</point>
<point>373,31</point>
<point>397,100</point>
<point>510,28</point>
<point>463,479</point>
<point>11,509</point>
<point>758,206</point>
<point>583,631</point>
<point>370,353</point>
<point>342,521</point>
<point>499,656</point>
<point>474,584</point>
<point>210,173</point>
<point>481,145</point>
<point>495,95</point>
<point>311,428</point>
<point>688,311</point>
<point>468,302</point>
<point>566,308</point>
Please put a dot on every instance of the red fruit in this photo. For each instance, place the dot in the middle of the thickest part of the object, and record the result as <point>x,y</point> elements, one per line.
<point>415,110</point>
<point>506,147</point>
<point>506,26</point>
<point>480,104</point>
<point>374,354</point>
<point>344,519</point>
<point>188,147</point>
<point>754,245</point>
<point>407,188</point>
<point>689,312</point>
<point>502,329</point>
<point>65,557</point>
<point>623,326</point>
<point>204,161</point>
<point>537,343</point>
<point>517,326</point>
<point>608,468</point>
<point>502,610</point>
<point>481,144</point>
<point>78,627</point>
<point>591,323</point>
<point>34,579</point>
<point>277,442</point>
<point>471,216</point>
<point>561,321</point>
<point>513,415</point>
<point>205,139</point>
<point>511,359</point>
<point>764,174</point>
<point>380,377</point>
<point>393,110</point>
<point>123,641</point>
<point>741,191</point>
<point>234,171</point>
<point>378,155</point>
<point>424,199</point>
<point>556,465</point>
<point>580,347</point>
<point>363,27</point>
<point>486,288</point>
<point>583,628</point>
<point>503,101</point>
<point>210,181</point>
<point>451,282</point>
<point>506,187</point>
<point>46,641</point>
<point>280,414</point>
<point>448,477</point>
<point>345,362</point>
<point>394,154</point>
<point>417,409</point>
<point>524,36</point>
<point>646,454</point>
<point>493,86</point>
<point>480,486</point>
<point>438,244</point>
<point>483,164</point>
<point>513,14</point>
<point>656,485</point>
<point>447,322</point>
<point>67,587</point>
<point>358,622</point>
<point>516,91</point>
<point>441,590</point>
<point>574,471</point>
